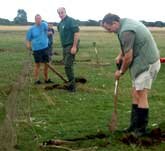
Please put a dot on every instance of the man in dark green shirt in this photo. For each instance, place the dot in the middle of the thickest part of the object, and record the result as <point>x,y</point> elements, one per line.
<point>69,35</point>
<point>140,54</point>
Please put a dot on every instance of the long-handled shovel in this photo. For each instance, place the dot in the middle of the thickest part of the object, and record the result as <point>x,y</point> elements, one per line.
<point>77,79</point>
<point>113,122</point>
<point>56,72</point>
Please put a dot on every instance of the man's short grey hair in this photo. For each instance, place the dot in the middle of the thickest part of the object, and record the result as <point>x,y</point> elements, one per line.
<point>110,18</point>
<point>61,8</point>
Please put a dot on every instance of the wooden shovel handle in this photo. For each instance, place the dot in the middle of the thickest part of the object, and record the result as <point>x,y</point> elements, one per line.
<point>56,72</point>
<point>115,95</point>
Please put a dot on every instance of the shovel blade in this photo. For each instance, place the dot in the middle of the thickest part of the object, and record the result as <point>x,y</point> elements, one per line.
<point>113,122</point>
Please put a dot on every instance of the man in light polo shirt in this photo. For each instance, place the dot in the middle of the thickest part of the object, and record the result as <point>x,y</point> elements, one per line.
<point>37,41</point>
<point>139,54</point>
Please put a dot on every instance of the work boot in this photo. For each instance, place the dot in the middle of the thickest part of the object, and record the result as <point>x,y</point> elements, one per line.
<point>133,119</point>
<point>142,121</point>
<point>71,88</point>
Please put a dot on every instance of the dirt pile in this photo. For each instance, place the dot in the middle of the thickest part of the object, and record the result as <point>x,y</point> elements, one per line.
<point>156,136</point>
<point>64,86</point>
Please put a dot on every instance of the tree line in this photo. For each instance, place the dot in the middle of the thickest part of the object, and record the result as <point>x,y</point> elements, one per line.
<point>21,19</point>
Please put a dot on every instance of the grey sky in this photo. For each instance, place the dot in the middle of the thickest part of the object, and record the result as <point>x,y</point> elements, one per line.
<point>149,10</point>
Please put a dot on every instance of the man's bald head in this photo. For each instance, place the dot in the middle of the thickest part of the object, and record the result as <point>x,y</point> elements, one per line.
<point>61,12</point>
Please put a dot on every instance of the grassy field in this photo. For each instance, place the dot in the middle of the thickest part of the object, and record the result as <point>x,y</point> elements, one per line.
<point>30,115</point>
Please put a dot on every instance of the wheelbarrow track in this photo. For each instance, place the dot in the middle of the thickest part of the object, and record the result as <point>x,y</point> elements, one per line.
<point>8,137</point>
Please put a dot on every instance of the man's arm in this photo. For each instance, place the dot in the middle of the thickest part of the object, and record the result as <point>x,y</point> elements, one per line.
<point>28,44</point>
<point>119,58</point>
<point>28,39</point>
<point>127,57</point>
<point>126,61</point>
<point>75,43</point>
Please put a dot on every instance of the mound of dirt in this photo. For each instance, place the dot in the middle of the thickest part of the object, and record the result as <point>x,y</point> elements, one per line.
<point>81,80</point>
<point>64,86</point>
<point>156,136</point>
<point>56,86</point>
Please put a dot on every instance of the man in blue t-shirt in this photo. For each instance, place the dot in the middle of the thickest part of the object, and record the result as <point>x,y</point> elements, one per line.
<point>37,41</point>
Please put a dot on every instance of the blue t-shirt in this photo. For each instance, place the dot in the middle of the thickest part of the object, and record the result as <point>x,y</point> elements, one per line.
<point>38,37</point>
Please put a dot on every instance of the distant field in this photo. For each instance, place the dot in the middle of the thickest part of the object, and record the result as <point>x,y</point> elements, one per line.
<point>14,28</point>
<point>23,28</point>
<point>31,115</point>
<point>83,28</point>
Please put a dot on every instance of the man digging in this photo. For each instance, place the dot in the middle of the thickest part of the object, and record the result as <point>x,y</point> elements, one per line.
<point>139,54</point>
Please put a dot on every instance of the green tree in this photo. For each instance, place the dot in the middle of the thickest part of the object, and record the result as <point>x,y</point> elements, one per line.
<point>4,21</point>
<point>21,17</point>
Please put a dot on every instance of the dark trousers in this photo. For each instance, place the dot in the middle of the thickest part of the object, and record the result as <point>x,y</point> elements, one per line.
<point>68,63</point>
<point>50,53</point>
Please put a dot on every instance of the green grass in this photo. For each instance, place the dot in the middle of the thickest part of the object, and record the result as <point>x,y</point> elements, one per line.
<point>57,114</point>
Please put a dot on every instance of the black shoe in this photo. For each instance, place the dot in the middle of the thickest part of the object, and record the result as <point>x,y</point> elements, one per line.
<point>37,82</point>
<point>49,81</point>
<point>71,88</point>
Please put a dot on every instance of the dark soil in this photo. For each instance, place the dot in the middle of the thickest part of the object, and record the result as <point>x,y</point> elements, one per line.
<point>156,136</point>
<point>64,86</point>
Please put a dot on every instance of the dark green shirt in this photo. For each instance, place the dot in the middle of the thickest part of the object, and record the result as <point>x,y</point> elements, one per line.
<point>67,27</point>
